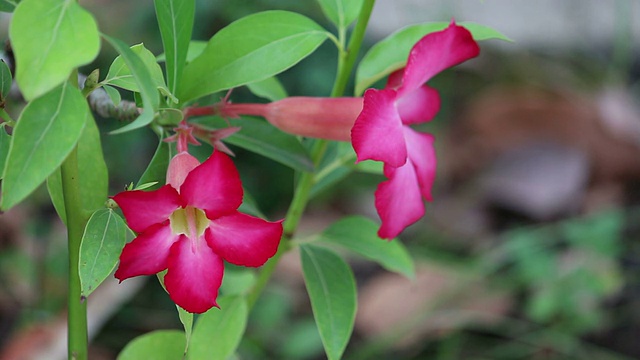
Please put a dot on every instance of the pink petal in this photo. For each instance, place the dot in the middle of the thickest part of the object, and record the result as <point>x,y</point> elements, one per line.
<point>419,105</point>
<point>435,52</point>
<point>214,186</point>
<point>423,157</point>
<point>398,200</point>
<point>145,208</point>
<point>244,240</point>
<point>377,132</point>
<point>179,167</point>
<point>148,253</point>
<point>395,79</point>
<point>194,275</point>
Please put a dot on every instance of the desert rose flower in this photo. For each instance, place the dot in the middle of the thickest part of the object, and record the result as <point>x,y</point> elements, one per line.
<point>382,132</point>
<point>191,225</point>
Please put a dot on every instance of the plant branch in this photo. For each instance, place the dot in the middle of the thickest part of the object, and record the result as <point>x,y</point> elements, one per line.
<point>308,179</point>
<point>76,221</point>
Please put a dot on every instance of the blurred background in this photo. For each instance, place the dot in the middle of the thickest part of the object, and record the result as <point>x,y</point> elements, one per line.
<point>529,250</point>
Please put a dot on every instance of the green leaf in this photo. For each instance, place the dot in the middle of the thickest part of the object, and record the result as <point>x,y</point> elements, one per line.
<point>186,318</point>
<point>8,5</point>
<point>391,53</point>
<point>250,49</point>
<point>5,141</point>
<point>196,47</point>
<point>262,138</point>
<point>48,129</point>
<point>332,290</point>
<point>5,81</point>
<point>341,12</point>
<point>359,234</point>
<point>113,93</point>
<point>218,332</point>
<point>120,75</point>
<point>237,282</point>
<point>157,169</point>
<point>145,82</point>
<point>156,345</point>
<point>269,88</point>
<point>104,237</point>
<point>92,170</point>
<point>175,19</point>
<point>50,38</point>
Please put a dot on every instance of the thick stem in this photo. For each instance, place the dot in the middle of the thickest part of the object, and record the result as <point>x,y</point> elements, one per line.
<point>307,179</point>
<point>76,221</point>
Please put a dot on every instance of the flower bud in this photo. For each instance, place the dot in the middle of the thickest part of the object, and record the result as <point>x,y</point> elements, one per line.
<point>324,118</point>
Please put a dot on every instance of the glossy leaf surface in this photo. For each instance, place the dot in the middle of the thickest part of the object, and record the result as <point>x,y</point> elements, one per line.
<point>332,290</point>
<point>218,332</point>
<point>48,129</point>
<point>48,44</point>
<point>341,12</point>
<point>104,237</point>
<point>359,234</point>
<point>145,82</point>
<point>156,345</point>
<point>251,49</point>
<point>175,18</point>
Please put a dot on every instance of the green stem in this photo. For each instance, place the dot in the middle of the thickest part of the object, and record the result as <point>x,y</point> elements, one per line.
<point>347,60</point>
<point>306,181</point>
<point>76,220</point>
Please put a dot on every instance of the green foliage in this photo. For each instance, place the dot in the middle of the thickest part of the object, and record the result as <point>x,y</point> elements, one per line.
<point>250,49</point>
<point>8,5</point>
<point>260,137</point>
<point>269,88</point>
<point>102,242</point>
<point>157,169</point>
<point>175,19</point>
<point>332,290</point>
<point>48,129</point>
<point>92,171</point>
<point>391,53</point>
<point>5,81</point>
<point>50,38</point>
<point>146,82</point>
<point>567,285</point>
<point>218,332</point>
<point>5,141</point>
<point>186,318</point>
<point>156,345</point>
<point>341,12</point>
<point>359,234</point>
<point>121,76</point>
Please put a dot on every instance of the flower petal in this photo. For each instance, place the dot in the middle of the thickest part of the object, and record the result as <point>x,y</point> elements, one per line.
<point>148,253</point>
<point>423,157</point>
<point>179,167</point>
<point>377,132</point>
<point>194,275</point>
<point>214,186</point>
<point>398,200</point>
<point>145,208</point>
<point>435,52</point>
<point>419,106</point>
<point>244,240</point>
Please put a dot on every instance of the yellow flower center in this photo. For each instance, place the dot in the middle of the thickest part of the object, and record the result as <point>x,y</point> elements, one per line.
<point>189,221</point>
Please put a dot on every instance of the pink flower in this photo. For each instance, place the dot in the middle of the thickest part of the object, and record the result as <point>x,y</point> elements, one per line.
<point>381,131</point>
<point>191,225</point>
